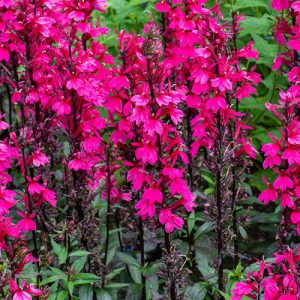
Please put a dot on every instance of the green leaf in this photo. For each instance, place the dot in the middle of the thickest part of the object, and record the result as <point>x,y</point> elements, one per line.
<point>152,285</point>
<point>60,251</point>
<point>103,295</point>
<point>204,228</point>
<point>78,264</point>
<point>255,25</point>
<point>79,253</point>
<point>53,278</point>
<point>136,274</point>
<point>115,273</point>
<point>266,50</point>
<point>240,4</point>
<point>86,276</point>
<point>116,285</point>
<point>243,232</point>
<point>137,2</point>
<point>52,297</point>
<point>62,295</point>
<point>196,292</point>
<point>226,296</point>
<point>208,179</point>
<point>111,255</point>
<point>127,259</point>
<point>56,247</point>
<point>86,293</point>
<point>71,287</point>
<point>191,222</point>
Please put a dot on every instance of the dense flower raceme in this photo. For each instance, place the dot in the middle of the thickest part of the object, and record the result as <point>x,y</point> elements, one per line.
<point>282,154</point>
<point>197,44</point>
<point>12,239</point>
<point>55,73</point>
<point>201,47</point>
<point>274,281</point>
<point>149,111</point>
<point>282,157</point>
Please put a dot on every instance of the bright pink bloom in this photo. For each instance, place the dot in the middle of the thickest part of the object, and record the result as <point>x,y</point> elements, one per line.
<point>170,221</point>
<point>146,206</point>
<point>34,187</point>
<point>280,4</point>
<point>283,182</point>
<point>147,154</point>
<point>27,223</point>
<point>267,196</point>
<point>39,159</point>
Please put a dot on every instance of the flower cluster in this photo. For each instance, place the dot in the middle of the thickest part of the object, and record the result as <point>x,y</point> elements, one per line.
<point>276,281</point>
<point>54,76</point>
<point>282,154</point>
<point>202,48</point>
<point>281,280</point>
<point>149,108</point>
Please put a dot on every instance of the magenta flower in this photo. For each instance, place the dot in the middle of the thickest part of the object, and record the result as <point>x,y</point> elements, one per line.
<point>146,206</point>
<point>25,292</point>
<point>170,221</point>
<point>280,4</point>
<point>27,223</point>
<point>283,182</point>
<point>34,187</point>
<point>39,159</point>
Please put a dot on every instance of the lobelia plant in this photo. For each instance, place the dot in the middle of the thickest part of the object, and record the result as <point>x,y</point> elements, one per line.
<point>93,151</point>
<point>204,51</point>
<point>280,280</point>
<point>282,154</point>
<point>54,75</point>
<point>144,97</point>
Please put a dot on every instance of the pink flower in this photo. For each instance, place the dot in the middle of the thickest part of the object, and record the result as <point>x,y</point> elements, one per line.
<point>120,82</point>
<point>26,224</point>
<point>271,161</point>
<point>23,292</point>
<point>22,295</point>
<point>295,217</point>
<point>176,115</point>
<point>286,200</point>
<point>292,156</point>
<point>140,100</point>
<point>283,182</point>
<point>79,162</point>
<point>38,158</point>
<point>267,196</point>
<point>216,103</point>
<point>294,44</point>
<point>146,206</point>
<point>75,83</point>
<point>241,289</point>
<point>34,187</point>
<point>91,144</point>
<point>222,83</point>
<point>4,54</point>
<point>153,126</point>
<point>296,6</point>
<point>62,108</point>
<point>49,196</point>
<point>280,4</point>
<point>163,7</point>
<point>147,154</point>
<point>248,51</point>
<point>169,220</point>
<point>288,297</point>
